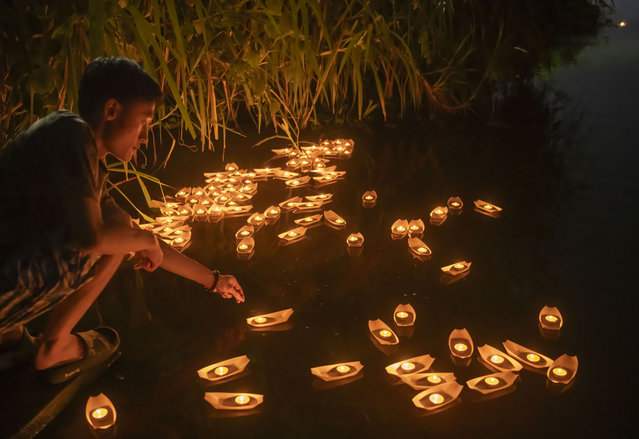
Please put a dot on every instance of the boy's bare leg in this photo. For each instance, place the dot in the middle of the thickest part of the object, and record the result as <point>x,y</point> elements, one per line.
<point>59,346</point>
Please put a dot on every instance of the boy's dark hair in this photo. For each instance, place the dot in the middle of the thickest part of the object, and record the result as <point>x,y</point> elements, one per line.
<point>113,77</point>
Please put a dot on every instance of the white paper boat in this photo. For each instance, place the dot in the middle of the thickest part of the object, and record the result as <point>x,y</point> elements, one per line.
<point>274,318</point>
<point>492,383</point>
<point>563,369</point>
<point>100,412</point>
<point>399,229</point>
<point>355,240</point>
<point>404,315</point>
<point>550,318</point>
<point>527,356</point>
<point>382,332</point>
<point>457,268</point>
<point>421,381</point>
<point>498,360</point>
<point>460,343</point>
<point>337,371</point>
<point>437,397</point>
<point>334,220</point>
<point>410,365</point>
<point>224,369</point>
<point>233,401</point>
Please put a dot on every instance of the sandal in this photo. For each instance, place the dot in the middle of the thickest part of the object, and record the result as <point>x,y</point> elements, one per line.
<point>100,347</point>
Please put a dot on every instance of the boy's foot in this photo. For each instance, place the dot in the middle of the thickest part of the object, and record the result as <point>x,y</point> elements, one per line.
<point>84,350</point>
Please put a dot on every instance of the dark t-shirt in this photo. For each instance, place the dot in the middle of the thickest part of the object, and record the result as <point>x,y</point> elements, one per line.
<point>44,175</point>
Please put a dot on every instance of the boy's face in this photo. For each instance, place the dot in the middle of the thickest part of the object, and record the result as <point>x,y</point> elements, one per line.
<point>128,128</point>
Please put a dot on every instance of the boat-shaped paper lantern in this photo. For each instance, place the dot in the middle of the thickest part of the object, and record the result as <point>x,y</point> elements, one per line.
<point>410,365</point>
<point>256,220</point>
<point>307,206</point>
<point>284,175</point>
<point>215,212</point>
<point>497,360</point>
<point>438,397</point>
<point>274,318</point>
<point>416,228</point>
<point>487,208</point>
<point>457,268</point>
<point>233,211</point>
<point>244,232</point>
<point>369,199</point>
<point>438,215</point>
<point>264,173</point>
<point>338,371</point>
<point>421,381</point>
<point>250,189</point>
<point>492,383</point>
<point>100,412</point>
<point>281,152</point>
<point>399,229</point>
<point>298,182</point>
<point>289,204</point>
<point>563,369</point>
<point>550,318</point>
<point>293,164</point>
<point>224,369</point>
<point>293,235</point>
<point>186,210</point>
<point>460,343</point>
<point>323,198</point>
<point>181,241</point>
<point>272,213</point>
<point>382,332</point>
<point>455,205</point>
<point>183,193</point>
<point>404,315</point>
<point>419,249</point>
<point>309,221</point>
<point>355,240</point>
<point>334,220</point>
<point>245,247</point>
<point>233,401</point>
<point>231,167</point>
<point>526,356</point>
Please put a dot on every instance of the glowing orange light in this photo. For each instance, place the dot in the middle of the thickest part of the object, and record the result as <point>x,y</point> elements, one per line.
<point>622,24</point>
<point>343,368</point>
<point>242,399</point>
<point>259,319</point>
<point>436,398</point>
<point>460,347</point>
<point>401,314</point>
<point>339,221</point>
<point>99,413</point>
<point>408,366</point>
<point>434,379</point>
<point>491,381</point>
<point>243,246</point>
<point>533,358</point>
<point>496,359</point>
<point>245,233</point>
<point>292,233</point>
<point>221,371</point>
<point>414,227</point>
<point>422,250</point>
<point>368,197</point>
<point>560,372</point>
<point>454,204</point>
<point>551,318</point>
<point>385,333</point>
<point>401,228</point>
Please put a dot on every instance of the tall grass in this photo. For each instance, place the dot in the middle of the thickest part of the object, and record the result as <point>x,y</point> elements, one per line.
<point>284,63</point>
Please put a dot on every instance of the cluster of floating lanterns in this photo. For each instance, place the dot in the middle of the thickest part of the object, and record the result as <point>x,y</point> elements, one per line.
<point>436,390</point>
<point>229,193</point>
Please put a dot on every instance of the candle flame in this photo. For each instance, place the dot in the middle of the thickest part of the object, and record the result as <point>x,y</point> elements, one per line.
<point>242,399</point>
<point>460,347</point>
<point>343,368</point>
<point>491,381</point>
<point>221,370</point>
<point>436,398</point>
<point>434,379</point>
<point>496,359</point>
<point>533,358</point>
<point>408,366</point>
<point>560,372</point>
<point>99,413</point>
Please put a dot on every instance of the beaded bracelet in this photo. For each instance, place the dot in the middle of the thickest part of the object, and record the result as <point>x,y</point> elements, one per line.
<point>216,275</point>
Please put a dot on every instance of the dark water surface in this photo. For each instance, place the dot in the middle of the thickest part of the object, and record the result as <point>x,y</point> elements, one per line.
<point>565,175</point>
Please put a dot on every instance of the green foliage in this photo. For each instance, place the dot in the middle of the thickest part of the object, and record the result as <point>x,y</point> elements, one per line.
<point>284,63</point>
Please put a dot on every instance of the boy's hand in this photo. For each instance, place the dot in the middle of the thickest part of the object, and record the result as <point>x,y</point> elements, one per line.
<point>227,286</point>
<point>149,259</point>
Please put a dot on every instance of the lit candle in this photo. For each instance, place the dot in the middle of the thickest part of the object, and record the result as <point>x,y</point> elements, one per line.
<point>348,144</point>
<point>496,359</point>
<point>179,232</point>
<point>184,211</point>
<point>286,174</point>
<point>533,358</point>
<point>259,319</point>
<point>560,372</point>
<point>206,202</point>
<point>221,371</point>
<point>408,366</point>
<point>439,211</point>
<point>385,333</point>
<point>200,211</point>
<point>290,204</point>
<point>436,398</point>
<point>343,368</point>
<point>198,193</point>
<point>237,209</point>
<point>400,228</point>
<point>347,152</point>
<point>338,142</point>
<point>304,162</point>
<point>309,204</point>
<point>224,198</point>
<point>245,233</point>
<point>216,209</point>
<point>339,221</point>
<point>460,347</point>
<point>455,204</point>
<point>434,379</point>
<point>193,200</point>
<point>232,203</point>
<point>622,24</point>
<point>368,197</point>
<point>273,212</point>
<point>243,246</point>
<point>402,315</point>
<point>181,193</point>
<point>459,266</point>
<point>488,206</point>
<point>414,227</point>
<point>308,219</point>
<point>292,234</point>
<point>99,413</point>
<point>353,238</point>
<point>258,218</point>
<point>422,250</point>
<point>551,318</point>
<point>322,196</point>
<point>179,239</point>
<point>168,230</point>
<point>491,381</point>
<point>242,399</point>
